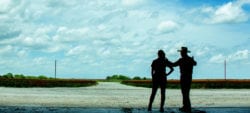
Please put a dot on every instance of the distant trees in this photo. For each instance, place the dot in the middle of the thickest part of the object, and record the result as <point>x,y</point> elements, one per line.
<point>139,78</point>
<point>117,77</point>
<point>42,77</point>
<point>123,77</point>
<point>21,76</point>
<point>8,75</point>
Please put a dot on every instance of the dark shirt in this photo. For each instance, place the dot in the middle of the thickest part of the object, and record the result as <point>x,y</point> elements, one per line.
<point>186,65</point>
<point>159,67</point>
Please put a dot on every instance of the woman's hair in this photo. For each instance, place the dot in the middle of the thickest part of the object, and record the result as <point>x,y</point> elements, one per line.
<point>161,54</point>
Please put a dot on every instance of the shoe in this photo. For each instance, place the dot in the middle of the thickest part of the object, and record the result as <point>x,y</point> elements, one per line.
<point>149,109</point>
<point>161,109</point>
<point>185,110</point>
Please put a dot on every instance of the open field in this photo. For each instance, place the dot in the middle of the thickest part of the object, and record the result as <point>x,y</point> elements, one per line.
<point>110,97</point>
<point>115,95</point>
<point>197,83</point>
<point>27,109</point>
<point>16,82</point>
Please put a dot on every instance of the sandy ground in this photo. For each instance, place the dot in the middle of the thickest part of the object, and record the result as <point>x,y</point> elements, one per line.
<point>116,96</point>
<point>26,109</point>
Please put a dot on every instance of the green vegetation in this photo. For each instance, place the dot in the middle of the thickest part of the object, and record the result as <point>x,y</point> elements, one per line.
<point>196,84</point>
<point>21,76</point>
<point>45,83</point>
<point>119,78</point>
<point>139,78</point>
<point>19,80</point>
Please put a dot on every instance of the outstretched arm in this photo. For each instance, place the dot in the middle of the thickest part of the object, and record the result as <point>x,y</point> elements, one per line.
<point>194,62</point>
<point>176,63</point>
<point>169,64</point>
<point>171,70</point>
<point>152,71</point>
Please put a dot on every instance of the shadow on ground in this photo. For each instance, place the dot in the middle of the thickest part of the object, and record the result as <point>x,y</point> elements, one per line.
<point>28,109</point>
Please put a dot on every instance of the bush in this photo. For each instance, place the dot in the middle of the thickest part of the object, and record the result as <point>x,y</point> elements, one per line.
<point>144,78</point>
<point>136,78</point>
<point>45,83</point>
<point>31,77</point>
<point>19,80</point>
<point>117,78</point>
<point>19,76</point>
<point>122,77</point>
<point>8,75</point>
<point>42,77</point>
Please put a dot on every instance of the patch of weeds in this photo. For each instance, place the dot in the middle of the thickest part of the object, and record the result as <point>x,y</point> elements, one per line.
<point>127,110</point>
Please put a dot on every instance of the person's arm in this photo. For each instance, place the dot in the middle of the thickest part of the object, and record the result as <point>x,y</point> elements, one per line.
<point>194,62</point>
<point>175,63</point>
<point>169,64</point>
<point>152,71</point>
<point>171,70</point>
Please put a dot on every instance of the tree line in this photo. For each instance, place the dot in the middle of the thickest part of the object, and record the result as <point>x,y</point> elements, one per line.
<point>123,77</point>
<point>21,76</point>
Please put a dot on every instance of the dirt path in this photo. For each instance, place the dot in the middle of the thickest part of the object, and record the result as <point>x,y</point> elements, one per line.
<point>115,95</point>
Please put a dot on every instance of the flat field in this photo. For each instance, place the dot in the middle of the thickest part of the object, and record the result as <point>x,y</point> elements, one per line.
<point>197,83</point>
<point>116,95</point>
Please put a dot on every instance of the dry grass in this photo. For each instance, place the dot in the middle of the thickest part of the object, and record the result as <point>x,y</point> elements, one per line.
<point>12,82</point>
<point>196,83</point>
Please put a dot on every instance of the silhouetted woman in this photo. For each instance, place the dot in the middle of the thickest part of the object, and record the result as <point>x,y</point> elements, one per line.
<point>159,78</point>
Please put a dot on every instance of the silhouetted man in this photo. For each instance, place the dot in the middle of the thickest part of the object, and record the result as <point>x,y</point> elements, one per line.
<point>186,64</point>
<point>159,79</point>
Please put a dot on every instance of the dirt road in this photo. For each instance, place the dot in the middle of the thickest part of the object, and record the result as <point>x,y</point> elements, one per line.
<point>115,95</point>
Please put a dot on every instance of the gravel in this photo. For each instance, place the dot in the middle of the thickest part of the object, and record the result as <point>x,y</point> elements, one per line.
<point>114,95</point>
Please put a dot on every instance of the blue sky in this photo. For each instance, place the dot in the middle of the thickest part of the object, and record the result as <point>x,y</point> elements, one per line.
<point>99,38</point>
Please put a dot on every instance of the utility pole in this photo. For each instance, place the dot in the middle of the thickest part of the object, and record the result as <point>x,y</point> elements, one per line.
<point>225,69</point>
<point>55,69</point>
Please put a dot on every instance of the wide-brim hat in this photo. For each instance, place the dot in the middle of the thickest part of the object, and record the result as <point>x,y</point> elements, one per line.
<point>184,49</point>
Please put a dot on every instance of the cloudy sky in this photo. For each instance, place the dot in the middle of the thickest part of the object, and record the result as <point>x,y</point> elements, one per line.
<point>97,38</point>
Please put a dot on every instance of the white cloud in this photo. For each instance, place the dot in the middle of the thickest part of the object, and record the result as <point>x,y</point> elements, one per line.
<point>132,2</point>
<point>33,42</point>
<point>22,53</point>
<point>104,52</point>
<point>5,5</point>
<point>8,31</point>
<point>239,55</point>
<point>6,50</point>
<point>99,42</point>
<point>40,60</point>
<point>101,27</point>
<point>76,50</point>
<point>115,36</point>
<point>202,51</point>
<point>55,48</point>
<point>65,34</point>
<point>207,9</point>
<point>243,2</point>
<point>167,26</point>
<point>231,12</point>
<point>217,58</point>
